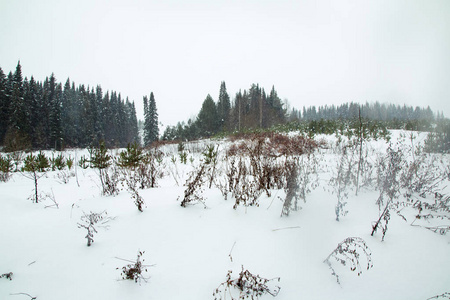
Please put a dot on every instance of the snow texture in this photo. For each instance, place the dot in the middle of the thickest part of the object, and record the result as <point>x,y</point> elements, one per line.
<point>193,248</point>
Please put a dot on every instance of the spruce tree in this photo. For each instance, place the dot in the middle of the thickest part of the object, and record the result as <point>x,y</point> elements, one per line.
<point>146,121</point>
<point>16,137</point>
<point>223,108</point>
<point>207,118</point>
<point>55,126</point>
<point>17,115</point>
<point>154,133</point>
<point>4,106</point>
<point>151,130</point>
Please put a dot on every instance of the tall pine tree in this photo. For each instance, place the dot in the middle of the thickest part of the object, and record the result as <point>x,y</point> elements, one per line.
<point>4,105</point>
<point>223,108</point>
<point>151,130</point>
<point>207,118</point>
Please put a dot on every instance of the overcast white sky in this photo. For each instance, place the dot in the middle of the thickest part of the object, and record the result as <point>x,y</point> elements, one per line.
<point>314,52</point>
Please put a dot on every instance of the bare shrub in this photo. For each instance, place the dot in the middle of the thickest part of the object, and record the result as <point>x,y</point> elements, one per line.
<point>344,178</point>
<point>64,176</point>
<point>131,180</point>
<point>135,270</point>
<point>109,176</point>
<point>110,179</point>
<point>149,169</point>
<point>445,295</point>
<point>195,187</point>
<point>388,180</point>
<point>292,189</point>
<point>246,190</point>
<point>91,221</point>
<point>247,284</point>
<point>8,275</point>
<point>423,175</point>
<point>350,252</point>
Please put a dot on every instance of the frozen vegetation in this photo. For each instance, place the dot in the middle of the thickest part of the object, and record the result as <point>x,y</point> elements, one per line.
<point>262,216</point>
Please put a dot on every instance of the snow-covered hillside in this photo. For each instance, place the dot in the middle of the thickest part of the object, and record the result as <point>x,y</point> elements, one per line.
<point>191,249</point>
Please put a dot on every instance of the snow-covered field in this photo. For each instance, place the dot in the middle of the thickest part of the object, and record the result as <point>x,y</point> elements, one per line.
<point>191,249</point>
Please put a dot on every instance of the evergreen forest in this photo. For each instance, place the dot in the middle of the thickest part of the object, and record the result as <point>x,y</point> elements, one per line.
<point>52,115</point>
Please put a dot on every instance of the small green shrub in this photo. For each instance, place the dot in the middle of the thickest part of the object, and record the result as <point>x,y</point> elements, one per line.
<point>131,157</point>
<point>69,162</point>
<point>58,162</point>
<point>84,162</point>
<point>6,168</point>
<point>43,163</point>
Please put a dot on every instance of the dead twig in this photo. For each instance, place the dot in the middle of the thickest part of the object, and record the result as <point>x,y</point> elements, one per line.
<point>292,227</point>
<point>16,294</point>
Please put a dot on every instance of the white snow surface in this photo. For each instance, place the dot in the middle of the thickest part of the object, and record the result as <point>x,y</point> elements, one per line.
<point>191,247</point>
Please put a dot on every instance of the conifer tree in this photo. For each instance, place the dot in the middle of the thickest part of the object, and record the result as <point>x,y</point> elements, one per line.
<point>4,106</point>
<point>223,107</point>
<point>151,130</point>
<point>17,115</point>
<point>207,118</point>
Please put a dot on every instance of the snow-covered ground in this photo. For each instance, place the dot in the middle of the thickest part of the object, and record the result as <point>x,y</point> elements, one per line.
<point>193,248</point>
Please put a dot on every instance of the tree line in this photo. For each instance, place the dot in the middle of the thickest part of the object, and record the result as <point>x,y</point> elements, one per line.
<point>250,109</point>
<point>254,109</point>
<point>50,115</point>
<point>393,116</point>
<point>44,115</point>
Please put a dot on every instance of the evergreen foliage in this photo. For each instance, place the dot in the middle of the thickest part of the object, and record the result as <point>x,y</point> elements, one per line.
<point>251,109</point>
<point>223,108</point>
<point>207,118</point>
<point>151,130</point>
<point>44,115</point>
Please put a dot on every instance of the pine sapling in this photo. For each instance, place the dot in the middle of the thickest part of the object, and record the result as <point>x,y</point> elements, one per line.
<point>31,170</point>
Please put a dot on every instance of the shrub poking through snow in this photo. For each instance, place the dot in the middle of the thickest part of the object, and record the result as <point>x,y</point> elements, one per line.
<point>350,252</point>
<point>58,162</point>
<point>292,189</point>
<point>131,157</point>
<point>31,168</point>
<point>248,286</point>
<point>194,187</point>
<point>135,270</point>
<point>7,275</point>
<point>43,163</point>
<point>69,162</point>
<point>343,178</point>
<point>210,155</point>
<point>388,173</point>
<point>83,162</point>
<point>6,168</point>
<point>101,160</point>
<point>131,180</point>
<point>150,169</point>
<point>91,221</point>
<point>445,295</point>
